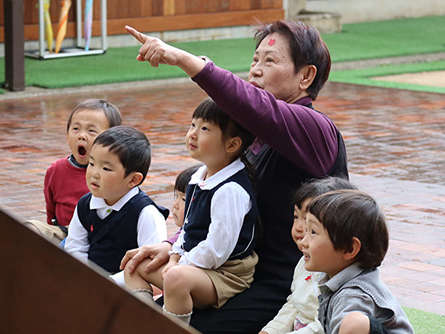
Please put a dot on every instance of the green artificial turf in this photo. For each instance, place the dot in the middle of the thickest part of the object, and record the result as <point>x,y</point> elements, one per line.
<point>425,322</point>
<point>365,76</point>
<point>389,38</point>
<point>356,41</point>
<point>120,65</point>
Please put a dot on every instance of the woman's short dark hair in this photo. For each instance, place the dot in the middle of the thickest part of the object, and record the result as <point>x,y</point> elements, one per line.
<point>306,48</point>
<point>183,178</point>
<point>130,145</point>
<point>351,213</point>
<point>110,111</point>
<point>209,111</point>
<point>316,187</point>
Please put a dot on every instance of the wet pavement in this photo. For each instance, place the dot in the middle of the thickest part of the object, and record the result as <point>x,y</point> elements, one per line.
<point>396,150</point>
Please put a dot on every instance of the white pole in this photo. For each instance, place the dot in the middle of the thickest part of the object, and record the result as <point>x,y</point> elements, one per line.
<point>104,23</point>
<point>41,30</point>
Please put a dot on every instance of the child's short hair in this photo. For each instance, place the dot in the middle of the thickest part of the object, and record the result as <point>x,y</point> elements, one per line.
<point>183,178</point>
<point>110,111</point>
<point>130,145</point>
<point>315,187</point>
<point>209,111</point>
<point>351,213</point>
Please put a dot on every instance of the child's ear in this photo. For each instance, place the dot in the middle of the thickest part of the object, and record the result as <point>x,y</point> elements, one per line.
<point>355,249</point>
<point>135,179</point>
<point>233,144</point>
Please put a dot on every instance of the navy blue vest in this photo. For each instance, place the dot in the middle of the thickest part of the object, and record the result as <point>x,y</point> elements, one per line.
<point>198,216</point>
<point>111,237</point>
<point>277,179</point>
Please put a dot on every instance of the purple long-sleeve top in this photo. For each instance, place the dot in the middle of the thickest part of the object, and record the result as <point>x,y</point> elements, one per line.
<point>302,135</point>
<point>298,144</point>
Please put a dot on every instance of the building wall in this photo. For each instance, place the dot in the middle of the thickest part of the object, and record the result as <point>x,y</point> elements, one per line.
<point>352,11</point>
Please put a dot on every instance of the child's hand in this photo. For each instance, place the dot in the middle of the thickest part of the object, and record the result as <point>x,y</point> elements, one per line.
<point>263,332</point>
<point>158,254</point>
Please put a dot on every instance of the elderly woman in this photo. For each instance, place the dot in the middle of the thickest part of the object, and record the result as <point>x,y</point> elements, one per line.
<point>293,143</point>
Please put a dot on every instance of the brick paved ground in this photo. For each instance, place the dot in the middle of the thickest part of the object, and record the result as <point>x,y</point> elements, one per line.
<point>395,141</point>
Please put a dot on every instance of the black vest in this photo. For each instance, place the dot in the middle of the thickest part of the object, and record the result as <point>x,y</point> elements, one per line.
<point>111,237</point>
<point>198,216</point>
<point>277,179</point>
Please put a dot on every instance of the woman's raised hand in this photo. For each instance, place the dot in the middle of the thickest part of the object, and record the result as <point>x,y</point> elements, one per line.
<point>156,52</point>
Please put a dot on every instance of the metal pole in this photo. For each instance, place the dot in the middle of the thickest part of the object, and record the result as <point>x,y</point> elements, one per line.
<point>103,7</point>
<point>14,45</point>
<point>41,30</point>
<point>79,22</point>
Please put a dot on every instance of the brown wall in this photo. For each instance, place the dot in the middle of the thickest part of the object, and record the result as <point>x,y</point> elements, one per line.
<point>157,15</point>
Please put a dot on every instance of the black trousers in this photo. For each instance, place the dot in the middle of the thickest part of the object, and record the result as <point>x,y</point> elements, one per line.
<point>245,313</point>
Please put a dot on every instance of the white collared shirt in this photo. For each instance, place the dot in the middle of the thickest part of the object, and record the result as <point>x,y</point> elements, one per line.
<point>151,227</point>
<point>228,207</point>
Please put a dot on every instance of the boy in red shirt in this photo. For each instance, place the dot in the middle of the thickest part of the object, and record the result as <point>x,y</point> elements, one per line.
<point>65,180</point>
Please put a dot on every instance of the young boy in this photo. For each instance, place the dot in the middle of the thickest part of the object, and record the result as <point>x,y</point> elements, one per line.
<point>116,215</point>
<point>347,239</point>
<point>213,258</point>
<point>300,313</point>
<point>65,179</point>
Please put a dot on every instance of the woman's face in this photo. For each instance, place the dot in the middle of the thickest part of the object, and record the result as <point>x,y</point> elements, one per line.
<point>273,70</point>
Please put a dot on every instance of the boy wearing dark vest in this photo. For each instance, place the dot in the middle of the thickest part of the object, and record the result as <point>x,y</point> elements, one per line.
<point>213,258</point>
<point>115,216</point>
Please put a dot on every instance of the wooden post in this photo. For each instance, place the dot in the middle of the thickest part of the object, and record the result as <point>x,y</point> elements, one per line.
<point>14,45</point>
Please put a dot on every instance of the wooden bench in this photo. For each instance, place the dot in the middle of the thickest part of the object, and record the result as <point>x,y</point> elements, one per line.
<point>45,290</point>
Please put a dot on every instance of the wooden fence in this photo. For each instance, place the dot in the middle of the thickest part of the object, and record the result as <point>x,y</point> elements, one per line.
<point>158,15</point>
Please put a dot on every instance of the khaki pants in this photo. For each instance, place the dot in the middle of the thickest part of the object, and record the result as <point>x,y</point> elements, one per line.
<point>232,277</point>
<point>51,232</point>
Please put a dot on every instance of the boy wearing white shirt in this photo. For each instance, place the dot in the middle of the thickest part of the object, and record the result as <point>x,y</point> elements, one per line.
<point>213,258</point>
<point>116,215</point>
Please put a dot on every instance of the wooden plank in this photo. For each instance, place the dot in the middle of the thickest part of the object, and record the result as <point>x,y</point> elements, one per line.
<point>239,5</point>
<point>45,290</point>
<point>169,23</point>
<point>267,4</point>
<point>180,7</point>
<point>184,22</point>
<point>146,8</point>
<point>157,8</point>
<point>255,4</point>
<point>169,7</point>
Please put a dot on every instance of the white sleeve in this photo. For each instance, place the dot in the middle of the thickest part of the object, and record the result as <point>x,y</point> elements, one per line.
<point>229,206</point>
<point>177,245</point>
<point>151,226</point>
<point>77,240</point>
<point>283,322</point>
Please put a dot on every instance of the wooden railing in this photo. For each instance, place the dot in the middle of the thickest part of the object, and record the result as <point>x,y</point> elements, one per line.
<point>45,290</point>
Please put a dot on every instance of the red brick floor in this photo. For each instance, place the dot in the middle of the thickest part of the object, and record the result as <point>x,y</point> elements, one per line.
<point>396,150</point>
